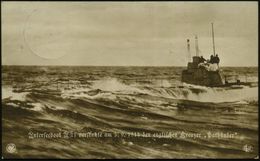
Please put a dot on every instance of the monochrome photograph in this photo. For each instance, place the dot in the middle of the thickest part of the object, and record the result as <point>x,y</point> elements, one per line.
<point>129,80</point>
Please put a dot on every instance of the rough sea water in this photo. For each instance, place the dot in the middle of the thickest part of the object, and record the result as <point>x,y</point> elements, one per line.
<point>125,112</point>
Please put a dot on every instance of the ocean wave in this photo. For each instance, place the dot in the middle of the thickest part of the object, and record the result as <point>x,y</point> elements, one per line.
<point>113,85</point>
<point>7,93</point>
<point>113,89</point>
<point>219,95</point>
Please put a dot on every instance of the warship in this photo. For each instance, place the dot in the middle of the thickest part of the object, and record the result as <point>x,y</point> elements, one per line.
<point>207,73</point>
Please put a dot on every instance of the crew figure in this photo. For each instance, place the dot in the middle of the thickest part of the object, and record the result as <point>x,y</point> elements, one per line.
<point>211,59</point>
<point>214,59</point>
<point>217,59</point>
<point>202,60</point>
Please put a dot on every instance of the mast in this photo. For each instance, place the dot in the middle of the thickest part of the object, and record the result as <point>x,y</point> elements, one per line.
<point>196,45</point>
<point>213,39</point>
<point>188,48</point>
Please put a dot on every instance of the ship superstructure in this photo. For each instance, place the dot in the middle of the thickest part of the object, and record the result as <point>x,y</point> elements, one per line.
<point>206,72</point>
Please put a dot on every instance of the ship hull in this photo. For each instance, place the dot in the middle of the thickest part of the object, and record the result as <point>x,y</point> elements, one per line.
<point>202,77</point>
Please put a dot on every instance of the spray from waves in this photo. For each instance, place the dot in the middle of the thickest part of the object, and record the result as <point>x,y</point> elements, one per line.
<point>113,85</point>
<point>207,94</point>
<point>222,95</point>
<point>20,100</point>
<point>111,88</point>
<point>163,83</point>
<point>108,88</point>
<point>87,93</point>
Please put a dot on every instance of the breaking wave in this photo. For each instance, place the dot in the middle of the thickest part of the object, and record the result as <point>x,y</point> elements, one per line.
<point>8,93</point>
<point>113,88</point>
<point>122,100</point>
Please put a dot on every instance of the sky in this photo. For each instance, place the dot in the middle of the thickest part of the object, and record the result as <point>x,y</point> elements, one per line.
<point>127,33</point>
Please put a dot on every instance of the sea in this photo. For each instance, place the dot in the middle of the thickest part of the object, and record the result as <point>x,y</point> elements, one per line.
<point>101,112</point>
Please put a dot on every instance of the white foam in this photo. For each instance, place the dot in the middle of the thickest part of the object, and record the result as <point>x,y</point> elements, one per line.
<point>83,94</point>
<point>232,95</point>
<point>37,107</point>
<point>113,85</point>
<point>12,104</point>
<point>163,83</point>
<point>7,92</point>
<point>111,89</point>
<point>207,94</point>
<point>195,86</point>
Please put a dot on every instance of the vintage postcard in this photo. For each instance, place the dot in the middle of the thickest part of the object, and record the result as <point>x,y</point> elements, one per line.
<point>129,80</point>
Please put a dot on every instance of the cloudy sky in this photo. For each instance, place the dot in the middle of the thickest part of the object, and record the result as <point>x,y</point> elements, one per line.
<point>127,33</point>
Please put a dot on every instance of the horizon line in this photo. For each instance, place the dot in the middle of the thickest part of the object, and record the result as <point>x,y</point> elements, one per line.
<point>117,65</point>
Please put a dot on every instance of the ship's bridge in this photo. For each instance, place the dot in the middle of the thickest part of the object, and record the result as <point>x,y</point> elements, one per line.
<point>198,62</point>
